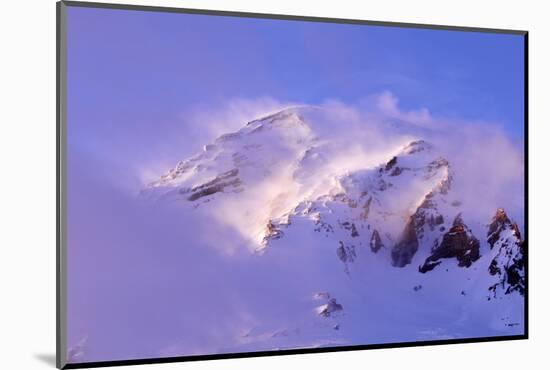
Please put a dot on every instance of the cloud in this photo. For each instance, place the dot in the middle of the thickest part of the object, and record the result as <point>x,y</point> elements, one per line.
<point>489,169</point>
<point>487,165</point>
<point>195,289</point>
<point>232,115</point>
<point>202,125</point>
<point>387,103</point>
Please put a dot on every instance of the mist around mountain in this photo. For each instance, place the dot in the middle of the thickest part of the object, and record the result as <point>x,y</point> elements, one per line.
<point>368,234</point>
<point>315,226</point>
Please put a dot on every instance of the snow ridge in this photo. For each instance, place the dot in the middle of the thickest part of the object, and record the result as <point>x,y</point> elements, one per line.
<point>382,230</point>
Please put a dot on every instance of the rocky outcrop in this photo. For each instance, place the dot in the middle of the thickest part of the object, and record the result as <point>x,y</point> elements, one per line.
<point>350,226</point>
<point>366,208</point>
<point>427,216</point>
<point>391,168</point>
<point>499,223</point>
<point>218,184</point>
<point>375,241</point>
<point>397,171</point>
<point>329,309</point>
<point>403,252</point>
<point>508,265</point>
<point>417,146</point>
<point>346,253</point>
<point>458,243</point>
<point>271,232</point>
<point>389,165</point>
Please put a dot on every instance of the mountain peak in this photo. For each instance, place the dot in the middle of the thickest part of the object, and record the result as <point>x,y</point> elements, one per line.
<point>499,223</point>
<point>508,248</point>
<point>500,216</point>
<point>285,118</point>
<point>458,242</point>
<point>278,115</point>
<point>416,146</point>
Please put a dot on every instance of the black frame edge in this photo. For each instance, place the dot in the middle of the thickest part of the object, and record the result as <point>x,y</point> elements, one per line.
<point>299,351</point>
<point>526,177</point>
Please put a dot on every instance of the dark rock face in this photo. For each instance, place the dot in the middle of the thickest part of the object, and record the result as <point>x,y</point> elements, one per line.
<point>427,216</point>
<point>499,223</point>
<point>457,243</point>
<point>438,163</point>
<point>445,185</point>
<point>392,162</point>
<point>330,308</point>
<point>375,241</point>
<point>271,232</point>
<point>346,253</point>
<point>226,179</point>
<point>350,226</point>
<point>437,220</point>
<point>396,171</point>
<point>383,185</point>
<point>417,146</point>
<point>509,263</point>
<point>403,252</point>
<point>366,209</point>
<point>354,233</point>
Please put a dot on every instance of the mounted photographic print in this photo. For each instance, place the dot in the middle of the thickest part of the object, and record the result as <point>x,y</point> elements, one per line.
<point>237,185</point>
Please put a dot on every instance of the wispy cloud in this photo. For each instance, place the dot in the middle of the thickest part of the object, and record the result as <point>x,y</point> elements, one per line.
<point>488,165</point>
<point>200,288</point>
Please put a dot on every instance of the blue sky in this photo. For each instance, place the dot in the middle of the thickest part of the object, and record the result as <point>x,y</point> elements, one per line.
<point>133,76</point>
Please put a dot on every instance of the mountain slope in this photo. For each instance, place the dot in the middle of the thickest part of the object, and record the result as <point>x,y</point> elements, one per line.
<point>379,243</point>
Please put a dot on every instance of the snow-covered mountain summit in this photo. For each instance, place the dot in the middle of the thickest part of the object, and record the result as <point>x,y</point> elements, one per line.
<point>285,159</point>
<point>297,184</point>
